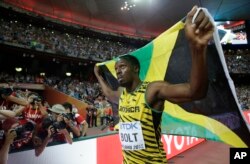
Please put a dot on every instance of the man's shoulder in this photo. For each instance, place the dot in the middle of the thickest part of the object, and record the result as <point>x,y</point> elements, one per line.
<point>157,83</point>
<point>154,86</point>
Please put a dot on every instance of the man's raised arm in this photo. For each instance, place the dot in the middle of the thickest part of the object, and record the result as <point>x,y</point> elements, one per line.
<point>111,94</point>
<point>198,34</point>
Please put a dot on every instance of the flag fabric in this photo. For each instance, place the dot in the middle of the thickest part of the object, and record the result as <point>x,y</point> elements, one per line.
<point>216,117</point>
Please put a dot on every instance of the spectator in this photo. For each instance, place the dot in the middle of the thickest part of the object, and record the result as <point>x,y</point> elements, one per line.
<point>61,135</point>
<point>8,140</point>
<point>100,104</point>
<point>35,111</point>
<point>81,123</point>
<point>89,112</point>
<point>23,132</point>
<point>7,95</point>
<point>70,120</point>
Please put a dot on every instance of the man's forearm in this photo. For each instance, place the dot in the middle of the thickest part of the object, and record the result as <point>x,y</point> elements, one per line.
<point>66,135</point>
<point>19,101</point>
<point>4,153</point>
<point>41,148</point>
<point>107,90</point>
<point>43,111</point>
<point>105,87</point>
<point>199,76</point>
<point>7,113</point>
<point>85,128</point>
<point>19,110</point>
<point>74,129</point>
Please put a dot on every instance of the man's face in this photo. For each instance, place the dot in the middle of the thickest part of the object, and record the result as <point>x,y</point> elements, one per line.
<point>124,72</point>
<point>54,115</point>
<point>67,110</point>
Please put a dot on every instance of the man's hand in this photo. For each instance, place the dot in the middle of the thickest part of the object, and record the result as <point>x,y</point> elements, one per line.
<point>201,31</point>
<point>68,122</point>
<point>66,135</point>
<point>10,136</point>
<point>51,131</point>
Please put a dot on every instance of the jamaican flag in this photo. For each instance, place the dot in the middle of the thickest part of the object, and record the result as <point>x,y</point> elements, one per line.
<point>216,117</point>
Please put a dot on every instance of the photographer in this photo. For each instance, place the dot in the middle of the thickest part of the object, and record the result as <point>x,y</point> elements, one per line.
<point>7,98</point>
<point>51,129</point>
<point>80,125</point>
<point>35,111</point>
<point>73,123</point>
<point>13,136</point>
<point>42,135</point>
<point>40,144</point>
<point>59,124</point>
<point>7,95</point>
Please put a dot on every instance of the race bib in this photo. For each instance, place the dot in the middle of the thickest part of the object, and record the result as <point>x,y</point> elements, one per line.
<point>131,136</point>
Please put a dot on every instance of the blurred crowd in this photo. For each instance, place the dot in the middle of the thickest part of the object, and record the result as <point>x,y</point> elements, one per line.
<point>74,87</point>
<point>243,94</point>
<point>82,90</point>
<point>29,36</point>
<point>87,91</point>
<point>238,61</point>
<point>49,40</point>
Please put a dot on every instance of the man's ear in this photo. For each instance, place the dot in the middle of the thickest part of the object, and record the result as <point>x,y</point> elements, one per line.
<point>136,69</point>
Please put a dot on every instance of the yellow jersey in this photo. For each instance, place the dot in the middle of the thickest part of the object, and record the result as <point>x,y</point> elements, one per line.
<point>140,129</point>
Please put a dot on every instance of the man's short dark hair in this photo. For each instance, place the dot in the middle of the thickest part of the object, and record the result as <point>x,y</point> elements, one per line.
<point>132,60</point>
<point>67,105</point>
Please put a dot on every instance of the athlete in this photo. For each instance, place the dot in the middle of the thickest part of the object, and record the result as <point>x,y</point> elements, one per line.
<point>141,103</point>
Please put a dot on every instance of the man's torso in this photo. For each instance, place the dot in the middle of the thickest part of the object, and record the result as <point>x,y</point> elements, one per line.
<point>140,130</point>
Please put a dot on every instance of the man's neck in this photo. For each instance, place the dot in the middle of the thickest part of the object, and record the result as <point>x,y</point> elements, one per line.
<point>135,84</point>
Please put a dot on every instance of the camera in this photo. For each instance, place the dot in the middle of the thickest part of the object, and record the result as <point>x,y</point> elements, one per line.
<point>59,125</point>
<point>69,116</point>
<point>21,129</point>
<point>35,100</point>
<point>47,122</point>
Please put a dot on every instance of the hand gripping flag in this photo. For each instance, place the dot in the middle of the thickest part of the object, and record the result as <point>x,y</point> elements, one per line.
<point>216,117</point>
